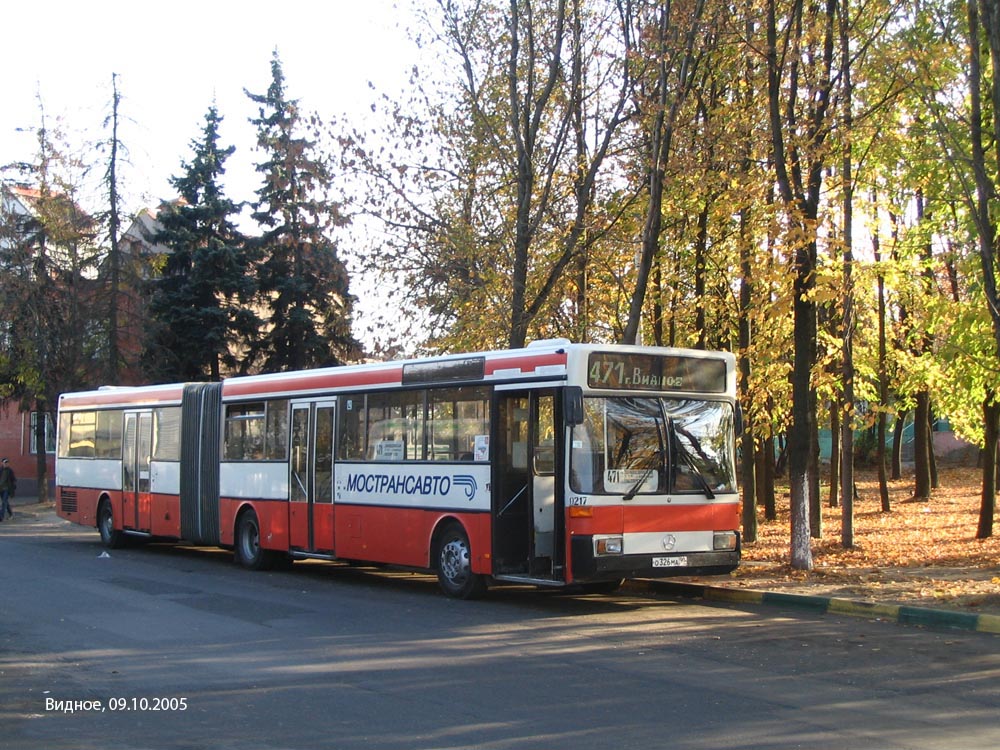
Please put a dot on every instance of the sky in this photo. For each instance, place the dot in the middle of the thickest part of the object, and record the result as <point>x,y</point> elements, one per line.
<point>174,59</point>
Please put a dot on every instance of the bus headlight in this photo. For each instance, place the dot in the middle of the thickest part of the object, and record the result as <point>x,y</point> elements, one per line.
<point>724,540</point>
<point>608,545</point>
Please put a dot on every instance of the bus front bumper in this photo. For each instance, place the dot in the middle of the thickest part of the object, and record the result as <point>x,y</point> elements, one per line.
<point>589,566</point>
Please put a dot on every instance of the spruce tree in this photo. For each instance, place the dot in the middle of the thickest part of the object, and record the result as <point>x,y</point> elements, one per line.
<point>202,301</point>
<point>302,282</point>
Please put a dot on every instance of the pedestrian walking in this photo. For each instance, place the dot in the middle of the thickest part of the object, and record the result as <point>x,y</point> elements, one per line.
<point>8,486</point>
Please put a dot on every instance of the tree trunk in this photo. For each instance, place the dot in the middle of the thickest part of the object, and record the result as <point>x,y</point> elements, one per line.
<point>765,478</point>
<point>847,326</point>
<point>986,229</point>
<point>921,453</point>
<point>987,505</point>
<point>701,248</point>
<point>802,431</point>
<point>582,305</point>
<point>114,255</point>
<point>658,305</point>
<point>835,438</point>
<point>749,451</point>
<point>883,480</point>
<point>897,444</point>
<point>931,453</point>
<point>922,413</point>
<point>41,464</point>
<point>815,498</point>
<point>883,380</point>
<point>749,488</point>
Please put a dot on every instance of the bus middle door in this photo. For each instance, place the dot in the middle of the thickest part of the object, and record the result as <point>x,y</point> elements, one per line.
<point>137,447</point>
<point>310,474</point>
<point>525,528</point>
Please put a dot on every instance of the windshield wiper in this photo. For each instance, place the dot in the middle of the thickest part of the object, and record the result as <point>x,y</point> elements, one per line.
<point>634,490</point>
<point>697,472</point>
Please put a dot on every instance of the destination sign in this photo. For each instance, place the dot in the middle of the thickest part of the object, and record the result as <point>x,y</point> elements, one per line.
<point>655,372</point>
<point>446,371</point>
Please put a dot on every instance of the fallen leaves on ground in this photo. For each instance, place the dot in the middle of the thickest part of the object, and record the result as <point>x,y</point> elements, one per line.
<point>922,553</point>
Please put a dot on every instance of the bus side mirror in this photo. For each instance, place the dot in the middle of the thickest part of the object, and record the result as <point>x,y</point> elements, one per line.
<point>740,424</point>
<point>573,405</point>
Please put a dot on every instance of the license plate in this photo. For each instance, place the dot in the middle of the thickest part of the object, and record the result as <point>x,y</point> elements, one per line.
<point>670,562</point>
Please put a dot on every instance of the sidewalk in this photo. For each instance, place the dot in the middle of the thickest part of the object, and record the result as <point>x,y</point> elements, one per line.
<point>930,596</point>
<point>25,509</point>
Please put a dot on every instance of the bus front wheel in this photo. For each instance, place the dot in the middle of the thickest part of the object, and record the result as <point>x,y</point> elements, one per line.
<point>249,553</point>
<point>111,537</point>
<point>454,565</point>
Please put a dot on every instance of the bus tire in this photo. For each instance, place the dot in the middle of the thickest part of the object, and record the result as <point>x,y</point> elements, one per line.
<point>111,537</point>
<point>249,553</point>
<point>454,565</point>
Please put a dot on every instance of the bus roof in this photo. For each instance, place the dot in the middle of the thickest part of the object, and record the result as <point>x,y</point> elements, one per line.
<point>540,361</point>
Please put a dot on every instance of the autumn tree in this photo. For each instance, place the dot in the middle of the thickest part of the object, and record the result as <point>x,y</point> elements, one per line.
<point>800,50</point>
<point>955,177</point>
<point>674,46</point>
<point>867,63</point>
<point>984,35</point>
<point>44,249</point>
<point>501,180</point>
<point>302,282</point>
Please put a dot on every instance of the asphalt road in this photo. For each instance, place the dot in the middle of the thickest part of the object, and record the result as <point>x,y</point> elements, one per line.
<point>166,647</point>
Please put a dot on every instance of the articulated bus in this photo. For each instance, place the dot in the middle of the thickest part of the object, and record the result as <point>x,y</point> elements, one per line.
<point>559,464</point>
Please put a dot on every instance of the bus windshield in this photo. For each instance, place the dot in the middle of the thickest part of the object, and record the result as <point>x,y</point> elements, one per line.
<point>631,446</point>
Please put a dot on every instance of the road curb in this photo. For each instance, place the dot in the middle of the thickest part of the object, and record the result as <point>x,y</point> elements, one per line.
<point>921,616</point>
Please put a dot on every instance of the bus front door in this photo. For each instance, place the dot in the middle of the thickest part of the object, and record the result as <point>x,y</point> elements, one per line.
<point>310,470</point>
<point>137,447</point>
<point>526,525</point>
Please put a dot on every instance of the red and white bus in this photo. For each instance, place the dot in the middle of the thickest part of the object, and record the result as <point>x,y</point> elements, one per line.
<point>555,465</point>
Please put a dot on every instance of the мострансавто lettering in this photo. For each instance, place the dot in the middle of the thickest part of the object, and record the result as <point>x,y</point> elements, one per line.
<point>399,484</point>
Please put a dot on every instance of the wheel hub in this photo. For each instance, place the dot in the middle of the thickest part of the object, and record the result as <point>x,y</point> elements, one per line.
<point>454,560</point>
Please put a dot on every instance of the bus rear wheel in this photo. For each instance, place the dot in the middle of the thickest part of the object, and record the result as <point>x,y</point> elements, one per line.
<point>454,565</point>
<point>111,537</point>
<point>249,553</point>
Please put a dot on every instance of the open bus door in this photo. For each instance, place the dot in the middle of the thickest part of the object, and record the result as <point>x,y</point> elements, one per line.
<point>528,522</point>
<point>310,475</point>
<point>137,448</point>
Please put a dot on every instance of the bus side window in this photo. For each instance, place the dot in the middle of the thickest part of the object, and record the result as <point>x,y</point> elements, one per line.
<point>352,428</point>
<point>244,437</point>
<point>277,430</point>
<point>457,419</point>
